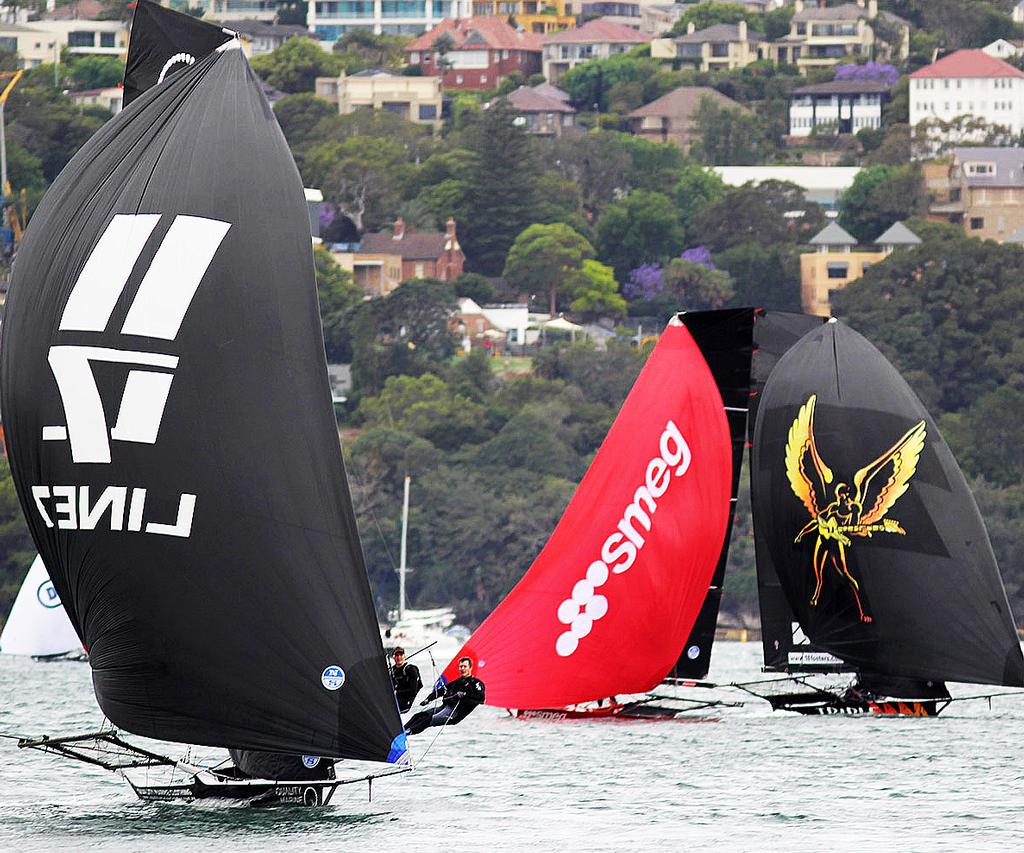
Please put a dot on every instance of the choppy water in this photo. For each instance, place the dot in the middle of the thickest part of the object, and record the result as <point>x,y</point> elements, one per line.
<point>753,781</point>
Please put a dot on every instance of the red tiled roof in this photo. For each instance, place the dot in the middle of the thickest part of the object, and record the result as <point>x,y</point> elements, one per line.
<point>969,63</point>
<point>598,31</point>
<point>492,30</point>
<point>528,100</point>
<point>83,10</point>
<point>413,245</point>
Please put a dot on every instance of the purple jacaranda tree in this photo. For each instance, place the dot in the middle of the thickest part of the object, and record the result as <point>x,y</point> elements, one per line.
<point>644,282</point>
<point>699,255</point>
<point>879,71</point>
<point>327,214</point>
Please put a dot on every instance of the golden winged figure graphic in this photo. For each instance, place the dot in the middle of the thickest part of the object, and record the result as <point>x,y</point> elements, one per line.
<point>845,515</point>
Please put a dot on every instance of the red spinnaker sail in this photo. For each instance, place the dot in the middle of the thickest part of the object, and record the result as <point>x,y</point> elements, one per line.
<point>610,601</point>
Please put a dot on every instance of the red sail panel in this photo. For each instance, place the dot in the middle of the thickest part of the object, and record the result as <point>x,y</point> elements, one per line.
<point>609,602</point>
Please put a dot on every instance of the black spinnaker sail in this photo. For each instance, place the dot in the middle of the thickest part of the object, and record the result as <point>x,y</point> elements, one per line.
<point>853,485</point>
<point>171,436</point>
<point>164,42</point>
<point>725,339</point>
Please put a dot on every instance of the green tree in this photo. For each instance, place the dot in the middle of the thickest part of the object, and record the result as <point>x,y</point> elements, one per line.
<point>94,72</point>
<point>880,196</point>
<point>360,49</point>
<point>295,65</point>
<point>338,294</point>
<point>727,136</point>
<point>547,258</point>
<point>757,214</point>
<point>501,189</point>
<point>765,276</point>
<point>362,178</point>
<point>597,292</point>
<point>425,406</point>
<point>988,436</point>
<point>476,287</point>
<point>598,164</point>
<point>16,548</point>
<point>696,188</point>
<point>299,115</point>
<point>47,125</point>
<point>946,314</point>
<point>696,286</point>
<point>643,227</point>
<point>707,14</point>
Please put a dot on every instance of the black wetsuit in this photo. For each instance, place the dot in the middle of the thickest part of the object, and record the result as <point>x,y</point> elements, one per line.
<point>406,680</point>
<point>461,696</point>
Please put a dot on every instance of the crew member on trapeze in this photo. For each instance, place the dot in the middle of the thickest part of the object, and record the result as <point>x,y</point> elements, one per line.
<point>405,678</point>
<point>845,516</point>
<point>459,699</point>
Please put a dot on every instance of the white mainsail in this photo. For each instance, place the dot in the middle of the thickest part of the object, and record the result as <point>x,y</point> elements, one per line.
<point>37,624</point>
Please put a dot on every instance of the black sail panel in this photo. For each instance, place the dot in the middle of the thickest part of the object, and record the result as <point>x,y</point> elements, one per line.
<point>725,341</point>
<point>854,485</point>
<point>171,436</point>
<point>774,333</point>
<point>164,42</point>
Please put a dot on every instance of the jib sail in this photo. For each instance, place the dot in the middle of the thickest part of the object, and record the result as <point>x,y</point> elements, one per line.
<point>610,601</point>
<point>37,624</point>
<point>725,339</point>
<point>869,524</point>
<point>172,440</point>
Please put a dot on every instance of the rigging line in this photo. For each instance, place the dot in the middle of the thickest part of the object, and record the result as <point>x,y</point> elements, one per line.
<point>835,365</point>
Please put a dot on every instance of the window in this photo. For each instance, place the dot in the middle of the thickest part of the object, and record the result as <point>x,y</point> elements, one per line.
<point>458,78</point>
<point>483,78</point>
<point>977,223</point>
<point>838,269</point>
<point>107,40</point>
<point>419,269</point>
<point>428,112</point>
<point>81,39</point>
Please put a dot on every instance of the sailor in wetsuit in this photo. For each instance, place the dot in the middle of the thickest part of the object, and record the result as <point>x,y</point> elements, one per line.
<point>460,698</point>
<point>406,679</point>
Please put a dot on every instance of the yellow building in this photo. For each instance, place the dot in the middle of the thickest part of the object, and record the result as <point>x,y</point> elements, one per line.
<point>416,99</point>
<point>831,268</point>
<point>534,16</point>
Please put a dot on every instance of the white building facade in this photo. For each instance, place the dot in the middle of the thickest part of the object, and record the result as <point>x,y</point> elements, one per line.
<point>331,19</point>
<point>971,84</point>
<point>836,107</point>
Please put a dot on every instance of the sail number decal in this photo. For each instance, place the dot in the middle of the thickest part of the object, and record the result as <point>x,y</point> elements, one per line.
<point>622,547</point>
<point>157,311</point>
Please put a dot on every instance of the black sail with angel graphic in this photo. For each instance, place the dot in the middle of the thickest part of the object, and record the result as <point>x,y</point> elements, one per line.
<point>862,512</point>
<point>171,435</point>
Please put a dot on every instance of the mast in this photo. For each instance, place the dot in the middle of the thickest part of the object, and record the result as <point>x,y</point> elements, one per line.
<point>405,537</point>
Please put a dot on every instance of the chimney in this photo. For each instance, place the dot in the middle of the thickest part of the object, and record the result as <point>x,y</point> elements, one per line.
<point>691,28</point>
<point>872,8</point>
<point>743,30</point>
<point>449,228</point>
<point>399,230</point>
<point>798,6</point>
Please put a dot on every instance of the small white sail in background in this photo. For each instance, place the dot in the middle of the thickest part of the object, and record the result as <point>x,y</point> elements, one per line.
<point>37,624</point>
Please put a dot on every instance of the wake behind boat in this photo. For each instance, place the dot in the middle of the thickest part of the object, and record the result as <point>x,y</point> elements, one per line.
<point>175,452</point>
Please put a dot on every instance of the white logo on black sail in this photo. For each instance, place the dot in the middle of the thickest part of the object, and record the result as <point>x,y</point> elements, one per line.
<point>157,311</point>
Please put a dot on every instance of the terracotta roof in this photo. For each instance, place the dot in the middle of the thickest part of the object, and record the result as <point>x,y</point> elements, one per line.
<point>84,10</point>
<point>598,31</point>
<point>843,87</point>
<point>683,102</point>
<point>550,91</point>
<point>528,100</point>
<point>718,32</point>
<point>413,245</point>
<point>467,33</point>
<point>968,63</point>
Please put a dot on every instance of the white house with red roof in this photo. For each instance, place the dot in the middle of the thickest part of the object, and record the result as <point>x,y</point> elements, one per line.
<point>474,53</point>
<point>968,83</point>
<point>597,39</point>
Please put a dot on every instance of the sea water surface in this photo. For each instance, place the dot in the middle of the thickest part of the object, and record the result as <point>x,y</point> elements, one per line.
<point>754,780</point>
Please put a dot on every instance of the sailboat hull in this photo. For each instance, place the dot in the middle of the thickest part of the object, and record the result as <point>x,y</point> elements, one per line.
<point>820,704</point>
<point>257,792</point>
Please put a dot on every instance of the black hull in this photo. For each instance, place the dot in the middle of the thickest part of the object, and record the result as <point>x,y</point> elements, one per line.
<point>255,792</point>
<point>816,703</point>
